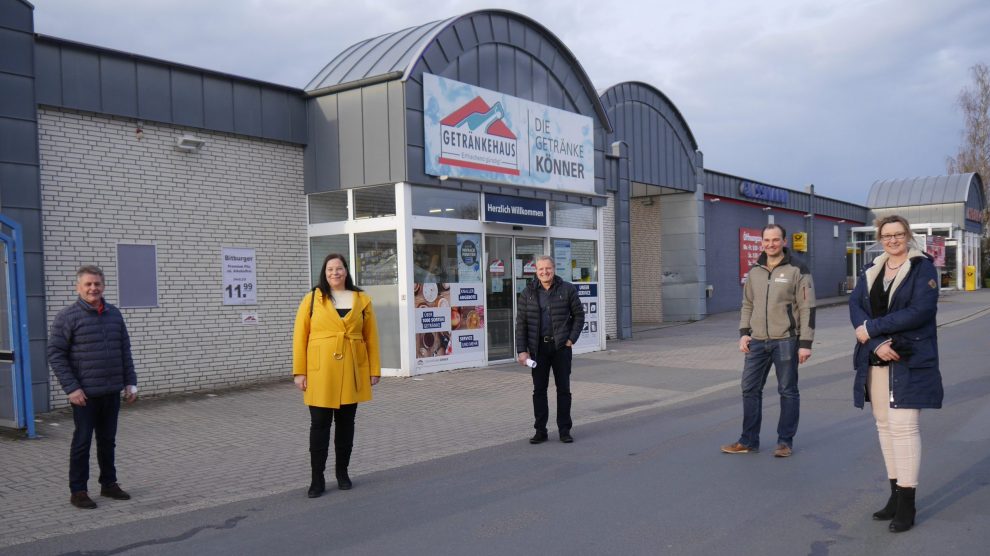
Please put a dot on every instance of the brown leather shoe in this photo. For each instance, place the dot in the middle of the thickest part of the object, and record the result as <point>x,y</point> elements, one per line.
<point>82,500</point>
<point>782,451</point>
<point>737,448</point>
<point>114,491</point>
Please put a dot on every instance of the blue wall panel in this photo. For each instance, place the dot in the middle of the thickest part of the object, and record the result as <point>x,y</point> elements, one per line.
<point>187,98</point>
<point>18,96</point>
<point>154,92</point>
<point>16,48</point>
<point>218,103</point>
<point>275,118</point>
<point>81,80</point>
<point>83,77</point>
<point>247,109</point>
<point>118,81</point>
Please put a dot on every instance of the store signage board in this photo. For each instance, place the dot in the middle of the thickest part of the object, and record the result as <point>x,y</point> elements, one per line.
<point>515,210</point>
<point>485,135</point>
<point>760,192</point>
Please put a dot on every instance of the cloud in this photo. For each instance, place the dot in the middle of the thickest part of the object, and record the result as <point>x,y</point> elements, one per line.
<point>836,93</point>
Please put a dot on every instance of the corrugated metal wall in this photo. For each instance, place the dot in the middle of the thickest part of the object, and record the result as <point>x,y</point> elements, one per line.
<point>83,77</point>
<point>662,148</point>
<point>356,137</point>
<point>20,185</point>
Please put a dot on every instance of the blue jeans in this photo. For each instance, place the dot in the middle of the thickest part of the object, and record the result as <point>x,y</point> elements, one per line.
<point>783,355</point>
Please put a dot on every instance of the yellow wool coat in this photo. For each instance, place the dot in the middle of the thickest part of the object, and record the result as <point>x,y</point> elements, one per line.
<point>337,355</point>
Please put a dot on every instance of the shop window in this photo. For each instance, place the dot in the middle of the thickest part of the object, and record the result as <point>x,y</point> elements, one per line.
<point>573,215</point>
<point>576,259</point>
<point>320,247</point>
<point>376,271</point>
<point>445,203</point>
<point>434,256</point>
<point>327,207</point>
<point>376,263</point>
<point>449,298</point>
<point>374,202</point>
<point>137,276</point>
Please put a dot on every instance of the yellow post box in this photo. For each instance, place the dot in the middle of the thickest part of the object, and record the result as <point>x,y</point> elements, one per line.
<point>970,278</point>
<point>800,242</point>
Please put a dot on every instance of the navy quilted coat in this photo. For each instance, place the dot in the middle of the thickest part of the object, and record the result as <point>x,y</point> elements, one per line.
<point>91,350</point>
<point>915,380</point>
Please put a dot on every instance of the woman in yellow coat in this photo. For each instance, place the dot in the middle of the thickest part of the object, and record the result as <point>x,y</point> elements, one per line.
<point>335,362</point>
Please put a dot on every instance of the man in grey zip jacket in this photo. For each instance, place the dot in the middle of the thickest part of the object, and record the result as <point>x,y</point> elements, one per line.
<point>776,327</point>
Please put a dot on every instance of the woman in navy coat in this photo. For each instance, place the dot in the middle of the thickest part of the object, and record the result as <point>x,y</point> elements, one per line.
<point>896,358</point>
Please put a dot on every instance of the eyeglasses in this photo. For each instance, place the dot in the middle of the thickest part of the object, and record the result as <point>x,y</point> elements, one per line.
<point>891,237</point>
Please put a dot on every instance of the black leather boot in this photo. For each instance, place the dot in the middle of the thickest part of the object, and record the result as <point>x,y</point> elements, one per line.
<point>343,481</point>
<point>888,511</point>
<point>904,518</point>
<point>318,463</point>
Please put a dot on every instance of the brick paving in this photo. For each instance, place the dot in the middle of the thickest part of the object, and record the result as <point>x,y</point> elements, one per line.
<point>182,453</point>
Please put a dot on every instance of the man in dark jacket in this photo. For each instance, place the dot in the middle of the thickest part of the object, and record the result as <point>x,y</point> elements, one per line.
<point>89,351</point>
<point>548,322</point>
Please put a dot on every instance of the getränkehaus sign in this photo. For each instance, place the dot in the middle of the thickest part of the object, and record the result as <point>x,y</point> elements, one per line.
<point>485,135</point>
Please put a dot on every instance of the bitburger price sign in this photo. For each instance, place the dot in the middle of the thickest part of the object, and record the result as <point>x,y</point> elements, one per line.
<point>239,276</point>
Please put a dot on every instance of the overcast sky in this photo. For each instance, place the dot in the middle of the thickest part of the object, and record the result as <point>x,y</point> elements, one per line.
<point>789,92</point>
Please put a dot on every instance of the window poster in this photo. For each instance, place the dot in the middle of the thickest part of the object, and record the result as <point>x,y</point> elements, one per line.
<point>450,323</point>
<point>588,294</point>
<point>469,257</point>
<point>562,258</point>
<point>750,248</point>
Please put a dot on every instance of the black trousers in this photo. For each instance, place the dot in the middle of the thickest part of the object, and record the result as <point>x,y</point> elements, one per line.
<point>559,361</point>
<point>319,435</point>
<point>99,416</point>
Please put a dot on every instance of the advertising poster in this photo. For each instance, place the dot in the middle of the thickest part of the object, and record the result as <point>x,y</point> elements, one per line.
<point>469,257</point>
<point>450,323</point>
<point>485,135</point>
<point>936,248</point>
<point>239,276</point>
<point>750,249</point>
<point>562,258</point>
<point>588,293</point>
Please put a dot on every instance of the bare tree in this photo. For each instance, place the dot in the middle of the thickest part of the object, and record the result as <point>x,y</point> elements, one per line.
<point>974,152</point>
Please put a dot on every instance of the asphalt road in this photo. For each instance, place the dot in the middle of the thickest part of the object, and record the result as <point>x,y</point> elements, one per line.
<point>650,483</point>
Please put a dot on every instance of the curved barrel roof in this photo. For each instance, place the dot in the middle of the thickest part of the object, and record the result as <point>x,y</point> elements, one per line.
<point>378,56</point>
<point>922,191</point>
<point>396,55</point>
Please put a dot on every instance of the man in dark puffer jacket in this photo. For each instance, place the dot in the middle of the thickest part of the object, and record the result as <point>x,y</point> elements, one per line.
<point>89,351</point>
<point>548,322</point>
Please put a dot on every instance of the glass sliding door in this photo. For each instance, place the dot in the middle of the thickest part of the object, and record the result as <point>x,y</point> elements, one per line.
<point>498,291</point>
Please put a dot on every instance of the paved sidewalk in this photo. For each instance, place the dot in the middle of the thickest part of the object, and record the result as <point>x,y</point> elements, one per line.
<point>182,453</point>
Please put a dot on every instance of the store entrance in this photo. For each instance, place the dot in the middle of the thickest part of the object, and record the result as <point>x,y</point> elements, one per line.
<point>510,264</point>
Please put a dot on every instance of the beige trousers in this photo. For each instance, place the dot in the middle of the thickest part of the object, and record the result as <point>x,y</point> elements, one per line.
<point>900,437</point>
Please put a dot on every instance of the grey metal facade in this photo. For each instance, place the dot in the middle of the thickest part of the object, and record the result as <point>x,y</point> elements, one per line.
<point>655,147</point>
<point>20,182</point>
<point>83,77</point>
<point>727,210</point>
<point>355,120</point>
<point>931,200</point>
<point>662,149</point>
